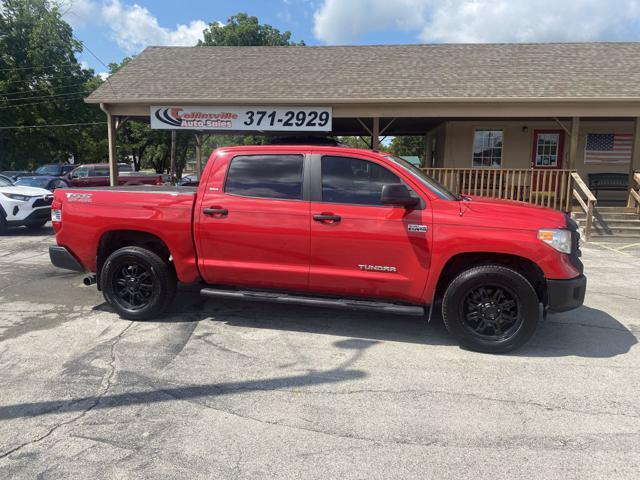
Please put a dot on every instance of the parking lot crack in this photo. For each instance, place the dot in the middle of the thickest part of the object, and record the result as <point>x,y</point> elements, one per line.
<point>106,384</point>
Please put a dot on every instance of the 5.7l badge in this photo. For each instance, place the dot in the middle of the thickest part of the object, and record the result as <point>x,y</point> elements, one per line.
<point>416,228</point>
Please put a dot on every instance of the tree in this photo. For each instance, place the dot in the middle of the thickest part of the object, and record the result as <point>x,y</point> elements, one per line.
<point>42,83</point>
<point>408,146</point>
<point>241,30</point>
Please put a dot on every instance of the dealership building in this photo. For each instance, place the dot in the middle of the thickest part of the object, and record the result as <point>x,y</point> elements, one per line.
<point>523,121</point>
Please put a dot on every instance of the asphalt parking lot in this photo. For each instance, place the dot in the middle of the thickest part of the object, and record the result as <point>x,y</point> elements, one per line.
<point>236,390</point>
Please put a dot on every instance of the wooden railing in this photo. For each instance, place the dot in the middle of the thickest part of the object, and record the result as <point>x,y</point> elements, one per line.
<point>549,188</point>
<point>580,189</point>
<point>634,192</point>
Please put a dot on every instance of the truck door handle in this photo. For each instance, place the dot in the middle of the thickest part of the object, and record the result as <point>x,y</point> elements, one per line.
<point>326,218</point>
<point>215,211</point>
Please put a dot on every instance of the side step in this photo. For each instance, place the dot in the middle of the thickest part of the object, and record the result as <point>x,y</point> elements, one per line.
<point>343,303</point>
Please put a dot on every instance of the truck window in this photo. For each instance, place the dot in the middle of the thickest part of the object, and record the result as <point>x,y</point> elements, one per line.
<point>351,180</point>
<point>266,176</point>
<point>100,171</point>
<point>81,172</point>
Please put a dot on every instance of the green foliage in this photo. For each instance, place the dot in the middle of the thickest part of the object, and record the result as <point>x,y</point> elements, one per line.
<point>42,83</point>
<point>409,146</point>
<point>356,142</point>
<point>242,30</point>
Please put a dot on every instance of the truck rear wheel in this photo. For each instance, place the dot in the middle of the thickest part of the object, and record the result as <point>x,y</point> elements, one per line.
<point>490,309</point>
<point>137,283</point>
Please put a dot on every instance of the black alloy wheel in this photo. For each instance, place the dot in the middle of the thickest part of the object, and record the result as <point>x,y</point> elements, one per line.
<point>491,308</point>
<point>491,312</point>
<point>133,284</point>
<point>138,283</point>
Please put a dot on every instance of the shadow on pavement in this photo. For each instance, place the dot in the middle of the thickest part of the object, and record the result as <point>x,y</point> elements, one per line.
<point>341,373</point>
<point>29,232</point>
<point>585,332</point>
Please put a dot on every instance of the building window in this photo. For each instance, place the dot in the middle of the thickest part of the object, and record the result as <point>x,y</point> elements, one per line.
<point>487,147</point>
<point>547,149</point>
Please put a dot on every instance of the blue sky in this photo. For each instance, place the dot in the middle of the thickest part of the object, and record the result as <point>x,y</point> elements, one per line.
<point>113,29</point>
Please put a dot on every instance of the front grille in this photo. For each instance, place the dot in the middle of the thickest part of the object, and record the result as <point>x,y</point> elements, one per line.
<point>43,202</point>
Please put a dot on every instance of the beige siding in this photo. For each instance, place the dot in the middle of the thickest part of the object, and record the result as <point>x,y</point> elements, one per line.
<point>518,144</point>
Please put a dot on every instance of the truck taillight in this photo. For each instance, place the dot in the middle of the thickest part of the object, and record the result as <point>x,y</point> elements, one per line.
<point>159,180</point>
<point>56,212</point>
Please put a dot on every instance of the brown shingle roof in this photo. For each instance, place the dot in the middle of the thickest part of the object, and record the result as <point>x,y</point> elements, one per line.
<point>377,73</point>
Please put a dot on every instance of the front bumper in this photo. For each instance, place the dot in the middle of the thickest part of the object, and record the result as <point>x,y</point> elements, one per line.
<point>563,295</point>
<point>62,258</point>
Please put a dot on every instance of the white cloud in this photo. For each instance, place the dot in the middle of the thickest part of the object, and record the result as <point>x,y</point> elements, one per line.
<point>79,13</point>
<point>134,27</point>
<point>337,21</point>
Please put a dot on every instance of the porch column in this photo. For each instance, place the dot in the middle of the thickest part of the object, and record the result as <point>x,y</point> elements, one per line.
<point>198,156</point>
<point>375,134</point>
<point>111,136</point>
<point>172,167</point>
<point>635,160</point>
<point>573,146</point>
<point>427,151</point>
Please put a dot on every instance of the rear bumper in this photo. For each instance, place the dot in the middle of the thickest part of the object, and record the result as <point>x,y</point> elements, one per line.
<point>62,258</point>
<point>563,295</point>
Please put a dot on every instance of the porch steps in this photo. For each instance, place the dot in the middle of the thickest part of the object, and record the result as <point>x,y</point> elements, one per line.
<point>612,224</point>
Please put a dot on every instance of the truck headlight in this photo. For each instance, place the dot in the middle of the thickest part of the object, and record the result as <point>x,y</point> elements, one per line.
<point>556,238</point>
<point>15,196</point>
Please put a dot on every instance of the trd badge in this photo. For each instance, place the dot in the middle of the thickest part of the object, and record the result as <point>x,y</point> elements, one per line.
<point>416,228</point>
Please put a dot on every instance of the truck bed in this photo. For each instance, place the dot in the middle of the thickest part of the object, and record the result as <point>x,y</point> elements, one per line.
<point>163,211</point>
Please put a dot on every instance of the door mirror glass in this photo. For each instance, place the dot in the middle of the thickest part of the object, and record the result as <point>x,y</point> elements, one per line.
<point>397,194</point>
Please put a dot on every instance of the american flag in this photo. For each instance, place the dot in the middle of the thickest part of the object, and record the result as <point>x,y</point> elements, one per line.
<point>608,148</point>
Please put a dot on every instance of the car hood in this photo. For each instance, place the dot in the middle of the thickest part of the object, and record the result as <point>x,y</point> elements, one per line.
<point>23,190</point>
<point>511,214</point>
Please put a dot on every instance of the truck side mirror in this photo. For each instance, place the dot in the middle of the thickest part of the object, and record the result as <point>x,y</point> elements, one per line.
<point>397,194</point>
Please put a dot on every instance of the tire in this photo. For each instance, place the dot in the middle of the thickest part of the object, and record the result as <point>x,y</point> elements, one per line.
<point>3,223</point>
<point>36,225</point>
<point>491,309</point>
<point>137,283</point>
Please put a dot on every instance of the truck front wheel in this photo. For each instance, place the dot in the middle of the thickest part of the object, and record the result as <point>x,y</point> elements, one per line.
<point>490,309</point>
<point>137,283</point>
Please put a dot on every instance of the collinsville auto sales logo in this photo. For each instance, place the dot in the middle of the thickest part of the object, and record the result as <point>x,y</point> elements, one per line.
<point>177,117</point>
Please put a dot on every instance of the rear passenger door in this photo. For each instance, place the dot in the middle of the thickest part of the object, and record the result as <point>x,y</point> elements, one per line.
<point>253,222</point>
<point>360,247</point>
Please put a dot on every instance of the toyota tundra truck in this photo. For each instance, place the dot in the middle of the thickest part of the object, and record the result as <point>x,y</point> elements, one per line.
<point>326,226</point>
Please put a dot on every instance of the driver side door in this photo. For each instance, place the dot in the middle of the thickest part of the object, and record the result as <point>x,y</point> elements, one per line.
<point>359,247</point>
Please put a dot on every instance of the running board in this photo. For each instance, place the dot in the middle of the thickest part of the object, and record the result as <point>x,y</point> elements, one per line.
<point>342,303</point>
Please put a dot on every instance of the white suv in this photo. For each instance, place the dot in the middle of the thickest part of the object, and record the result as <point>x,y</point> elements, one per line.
<point>29,206</point>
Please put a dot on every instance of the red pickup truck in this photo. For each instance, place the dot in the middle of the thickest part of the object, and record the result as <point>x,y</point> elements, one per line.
<point>97,175</point>
<point>326,226</point>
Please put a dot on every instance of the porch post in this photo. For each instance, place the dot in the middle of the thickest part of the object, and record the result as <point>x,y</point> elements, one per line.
<point>573,147</point>
<point>172,167</point>
<point>427,151</point>
<point>198,155</point>
<point>111,137</point>
<point>635,160</point>
<point>375,134</point>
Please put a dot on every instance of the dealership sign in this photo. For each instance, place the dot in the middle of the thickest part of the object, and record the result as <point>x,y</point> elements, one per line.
<point>279,119</point>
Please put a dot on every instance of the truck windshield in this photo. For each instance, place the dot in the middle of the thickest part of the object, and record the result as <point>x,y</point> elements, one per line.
<point>437,188</point>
